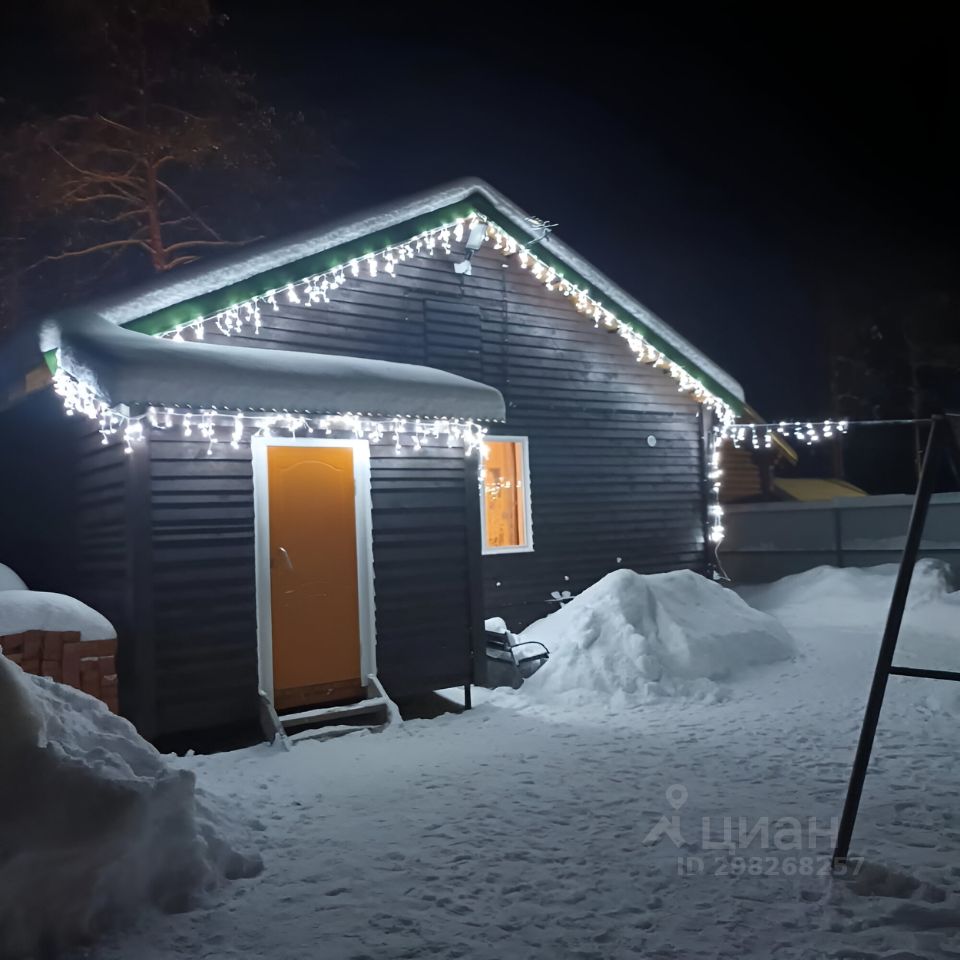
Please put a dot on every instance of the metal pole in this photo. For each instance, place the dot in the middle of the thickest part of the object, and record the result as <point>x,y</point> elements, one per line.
<point>888,645</point>
<point>475,600</point>
<point>926,674</point>
<point>704,429</point>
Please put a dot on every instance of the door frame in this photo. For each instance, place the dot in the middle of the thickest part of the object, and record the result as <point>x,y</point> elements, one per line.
<point>364,538</point>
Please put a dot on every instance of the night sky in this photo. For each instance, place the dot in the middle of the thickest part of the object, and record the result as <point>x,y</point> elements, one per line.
<point>731,172</point>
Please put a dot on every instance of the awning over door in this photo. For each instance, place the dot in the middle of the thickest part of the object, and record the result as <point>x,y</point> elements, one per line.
<point>126,367</point>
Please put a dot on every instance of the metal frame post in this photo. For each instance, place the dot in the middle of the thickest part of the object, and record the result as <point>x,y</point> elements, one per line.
<point>475,645</point>
<point>931,460</point>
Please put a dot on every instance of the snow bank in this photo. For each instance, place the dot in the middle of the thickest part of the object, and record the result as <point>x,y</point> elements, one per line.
<point>9,580</point>
<point>94,823</point>
<point>35,610</point>
<point>850,596</point>
<point>845,604</point>
<point>630,637</point>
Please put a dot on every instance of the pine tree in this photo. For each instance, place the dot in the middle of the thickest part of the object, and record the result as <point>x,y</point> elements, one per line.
<point>142,168</point>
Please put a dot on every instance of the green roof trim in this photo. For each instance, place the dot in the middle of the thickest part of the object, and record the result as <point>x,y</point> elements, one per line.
<point>208,304</point>
<point>216,301</point>
<point>623,313</point>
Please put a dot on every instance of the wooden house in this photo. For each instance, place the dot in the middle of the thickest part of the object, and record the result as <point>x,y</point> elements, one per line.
<point>278,471</point>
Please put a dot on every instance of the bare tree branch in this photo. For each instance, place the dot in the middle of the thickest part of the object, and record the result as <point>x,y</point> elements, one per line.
<point>181,261</point>
<point>88,181</point>
<point>97,247</point>
<point>178,222</point>
<point>116,124</point>
<point>180,112</point>
<point>120,217</point>
<point>186,244</point>
<point>186,206</point>
<point>94,175</point>
<point>97,197</point>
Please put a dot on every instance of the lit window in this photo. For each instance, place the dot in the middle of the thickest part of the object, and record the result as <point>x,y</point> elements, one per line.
<point>506,496</point>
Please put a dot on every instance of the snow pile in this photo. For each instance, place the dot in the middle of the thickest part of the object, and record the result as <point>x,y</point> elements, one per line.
<point>631,637</point>
<point>9,579</point>
<point>850,603</point>
<point>22,610</point>
<point>850,596</point>
<point>94,824</point>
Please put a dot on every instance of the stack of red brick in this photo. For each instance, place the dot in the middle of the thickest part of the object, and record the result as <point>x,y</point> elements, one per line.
<point>88,665</point>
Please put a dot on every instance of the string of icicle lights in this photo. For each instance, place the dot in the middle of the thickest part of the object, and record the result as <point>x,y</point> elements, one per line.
<point>216,426</point>
<point>758,436</point>
<point>233,428</point>
<point>316,289</point>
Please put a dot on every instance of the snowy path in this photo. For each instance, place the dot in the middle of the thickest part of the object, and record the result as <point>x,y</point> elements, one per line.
<point>518,830</point>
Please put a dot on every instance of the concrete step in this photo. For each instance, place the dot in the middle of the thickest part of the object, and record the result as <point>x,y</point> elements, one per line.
<point>322,715</point>
<point>333,731</point>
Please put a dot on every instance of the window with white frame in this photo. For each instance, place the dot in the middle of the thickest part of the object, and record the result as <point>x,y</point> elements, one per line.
<point>505,496</point>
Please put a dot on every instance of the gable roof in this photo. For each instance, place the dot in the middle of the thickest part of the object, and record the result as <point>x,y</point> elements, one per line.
<point>205,290</point>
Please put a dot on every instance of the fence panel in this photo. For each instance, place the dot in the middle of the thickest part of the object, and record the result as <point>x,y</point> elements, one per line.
<point>766,541</point>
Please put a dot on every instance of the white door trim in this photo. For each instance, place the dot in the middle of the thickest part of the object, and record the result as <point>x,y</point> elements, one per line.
<point>261,521</point>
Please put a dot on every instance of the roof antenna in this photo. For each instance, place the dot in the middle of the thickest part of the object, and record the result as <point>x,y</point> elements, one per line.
<point>478,232</point>
<point>544,226</point>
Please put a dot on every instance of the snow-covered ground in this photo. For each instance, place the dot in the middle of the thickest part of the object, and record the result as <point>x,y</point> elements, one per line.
<point>548,824</point>
<point>95,825</point>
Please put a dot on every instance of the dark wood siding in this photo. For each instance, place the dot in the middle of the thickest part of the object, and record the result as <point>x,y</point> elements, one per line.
<point>602,497</point>
<point>108,558</point>
<point>202,541</point>
<point>454,338</point>
<point>204,576</point>
<point>102,533</point>
<point>38,466</point>
<point>420,565</point>
<point>72,523</point>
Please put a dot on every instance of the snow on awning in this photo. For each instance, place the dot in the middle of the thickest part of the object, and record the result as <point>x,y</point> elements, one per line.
<point>126,367</point>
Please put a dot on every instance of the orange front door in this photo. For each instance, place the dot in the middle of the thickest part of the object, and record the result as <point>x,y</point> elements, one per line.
<point>313,575</point>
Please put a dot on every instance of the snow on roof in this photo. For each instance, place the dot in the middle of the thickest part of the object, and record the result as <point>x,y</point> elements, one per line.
<point>123,366</point>
<point>245,266</point>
